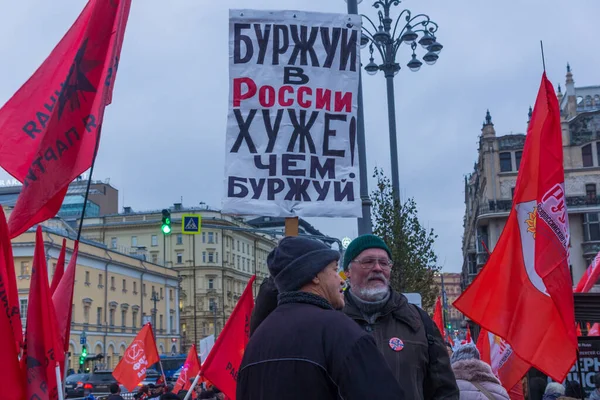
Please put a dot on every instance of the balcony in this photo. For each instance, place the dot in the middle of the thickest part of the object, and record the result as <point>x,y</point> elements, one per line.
<point>504,206</point>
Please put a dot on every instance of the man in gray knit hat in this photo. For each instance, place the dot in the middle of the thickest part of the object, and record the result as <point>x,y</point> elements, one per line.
<point>305,348</point>
<point>405,335</point>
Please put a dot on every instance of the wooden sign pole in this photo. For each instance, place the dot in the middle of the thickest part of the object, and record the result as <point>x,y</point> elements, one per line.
<point>291,226</point>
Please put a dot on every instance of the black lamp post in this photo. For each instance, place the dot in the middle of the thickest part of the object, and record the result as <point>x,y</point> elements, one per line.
<point>385,39</point>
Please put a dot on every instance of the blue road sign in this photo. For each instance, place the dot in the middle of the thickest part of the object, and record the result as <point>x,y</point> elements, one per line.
<point>191,224</point>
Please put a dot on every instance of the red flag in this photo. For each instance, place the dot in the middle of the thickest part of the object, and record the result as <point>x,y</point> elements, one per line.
<point>49,128</point>
<point>42,348</point>
<point>517,393</point>
<point>578,330</point>
<point>8,287</point>
<point>594,330</point>
<point>524,294</point>
<point>190,369</point>
<point>590,277</point>
<point>60,267</point>
<point>506,365</point>
<point>223,361</point>
<point>438,317</point>
<point>448,337</point>
<point>468,339</point>
<point>140,354</point>
<point>62,298</point>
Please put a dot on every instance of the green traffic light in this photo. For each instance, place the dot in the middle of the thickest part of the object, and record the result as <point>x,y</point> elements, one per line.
<point>166,229</point>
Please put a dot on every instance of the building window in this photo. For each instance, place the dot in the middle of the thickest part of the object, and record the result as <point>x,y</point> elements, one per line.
<point>512,192</point>
<point>211,257</point>
<point>135,287</point>
<point>111,317</point>
<point>203,237</point>
<point>153,290</point>
<point>217,257</point>
<point>113,243</point>
<point>217,237</point>
<point>586,155</point>
<point>161,322</point>
<point>124,286</point>
<point>590,191</point>
<point>203,256</point>
<point>518,155</point>
<point>144,289</point>
<point>100,281</point>
<point>239,264</point>
<point>171,323</point>
<point>211,283</point>
<point>25,268</point>
<point>99,316</point>
<point>87,278</point>
<point>238,245</point>
<point>179,258</point>
<point>134,241</point>
<point>244,264</point>
<point>86,314</point>
<point>154,240</point>
<point>155,258</point>
<point>591,227</point>
<point>171,294</point>
<point>212,305</point>
<point>134,315</point>
<point>161,293</point>
<point>112,283</point>
<point>23,307</point>
<point>179,238</point>
<point>505,162</point>
<point>211,237</point>
<point>123,318</point>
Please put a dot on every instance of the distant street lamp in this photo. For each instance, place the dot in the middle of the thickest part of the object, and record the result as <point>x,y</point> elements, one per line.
<point>385,41</point>
<point>155,299</point>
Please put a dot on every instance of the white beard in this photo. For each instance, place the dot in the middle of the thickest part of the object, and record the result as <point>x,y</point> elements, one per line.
<point>372,294</point>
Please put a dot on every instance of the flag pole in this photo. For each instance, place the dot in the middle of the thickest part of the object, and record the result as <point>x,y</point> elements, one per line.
<point>191,390</point>
<point>543,58</point>
<point>58,382</point>
<point>580,373</point>
<point>89,182</point>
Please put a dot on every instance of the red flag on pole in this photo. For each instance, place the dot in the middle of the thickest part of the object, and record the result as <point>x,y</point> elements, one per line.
<point>60,267</point>
<point>223,361</point>
<point>8,286</point>
<point>438,317</point>
<point>590,277</point>
<point>524,294</point>
<point>62,298</point>
<point>191,368</point>
<point>506,365</point>
<point>49,127</point>
<point>468,339</point>
<point>42,348</point>
<point>140,354</point>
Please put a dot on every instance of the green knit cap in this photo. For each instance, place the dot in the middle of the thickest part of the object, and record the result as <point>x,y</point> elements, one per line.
<point>362,243</point>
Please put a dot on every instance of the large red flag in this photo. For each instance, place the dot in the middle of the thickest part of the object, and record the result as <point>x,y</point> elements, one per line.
<point>190,369</point>
<point>506,365</point>
<point>49,127</point>
<point>438,317</point>
<point>589,278</point>
<point>42,348</point>
<point>223,362</point>
<point>140,354</point>
<point>62,299</point>
<point>8,287</point>
<point>60,267</point>
<point>524,294</point>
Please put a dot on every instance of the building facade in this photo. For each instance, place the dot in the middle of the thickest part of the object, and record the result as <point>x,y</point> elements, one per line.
<point>214,266</point>
<point>112,298</point>
<point>490,187</point>
<point>449,288</point>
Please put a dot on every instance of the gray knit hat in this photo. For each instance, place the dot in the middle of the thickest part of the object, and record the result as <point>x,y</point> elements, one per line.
<point>465,352</point>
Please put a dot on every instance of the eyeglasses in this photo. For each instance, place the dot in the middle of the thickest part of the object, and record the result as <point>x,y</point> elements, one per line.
<point>369,263</point>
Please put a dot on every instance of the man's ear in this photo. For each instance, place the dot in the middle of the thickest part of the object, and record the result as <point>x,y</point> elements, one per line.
<point>316,280</point>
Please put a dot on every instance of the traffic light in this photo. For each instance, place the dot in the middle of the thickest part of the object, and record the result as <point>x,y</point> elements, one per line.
<point>83,355</point>
<point>449,326</point>
<point>166,222</point>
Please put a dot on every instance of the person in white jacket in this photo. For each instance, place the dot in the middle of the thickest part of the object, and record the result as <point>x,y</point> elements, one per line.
<point>474,377</point>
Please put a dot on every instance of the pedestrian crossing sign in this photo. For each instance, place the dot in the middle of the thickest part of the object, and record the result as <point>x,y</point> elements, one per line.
<point>191,224</point>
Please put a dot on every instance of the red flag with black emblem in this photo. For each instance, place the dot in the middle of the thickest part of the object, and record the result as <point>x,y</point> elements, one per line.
<point>43,350</point>
<point>223,362</point>
<point>140,355</point>
<point>50,126</point>
<point>190,369</point>
<point>524,294</point>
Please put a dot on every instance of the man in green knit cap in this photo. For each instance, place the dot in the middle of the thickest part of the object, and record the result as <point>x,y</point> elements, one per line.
<point>405,334</point>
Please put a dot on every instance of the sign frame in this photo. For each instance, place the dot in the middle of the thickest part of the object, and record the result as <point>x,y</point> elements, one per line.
<point>198,223</point>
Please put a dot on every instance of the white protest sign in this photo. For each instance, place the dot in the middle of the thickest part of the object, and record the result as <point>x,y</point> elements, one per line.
<point>291,127</point>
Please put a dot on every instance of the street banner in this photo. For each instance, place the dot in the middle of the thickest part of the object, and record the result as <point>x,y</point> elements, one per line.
<point>291,143</point>
<point>589,354</point>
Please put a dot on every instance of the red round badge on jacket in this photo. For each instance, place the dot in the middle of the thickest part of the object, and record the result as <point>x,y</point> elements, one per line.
<point>396,344</point>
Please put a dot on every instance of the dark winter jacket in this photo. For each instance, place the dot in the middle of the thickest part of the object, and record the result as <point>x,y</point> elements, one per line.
<point>422,370</point>
<point>307,350</point>
<point>266,302</point>
<point>115,397</point>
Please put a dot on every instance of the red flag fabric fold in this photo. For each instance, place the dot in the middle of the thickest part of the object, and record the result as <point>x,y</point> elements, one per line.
<point>42,348</point>
<point>8,286</point>
<point>524,294</point>
<point>60,267</point>
<point>438,317</point>
<point>190,369</point>
<point>140,354</point>
<point>49,127</point>
<point>223,361</point>
<point>62,298</point>
<point>590,277</point>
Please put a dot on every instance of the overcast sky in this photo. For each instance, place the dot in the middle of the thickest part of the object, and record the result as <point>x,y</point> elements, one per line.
<point>164,134</point>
